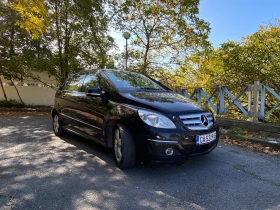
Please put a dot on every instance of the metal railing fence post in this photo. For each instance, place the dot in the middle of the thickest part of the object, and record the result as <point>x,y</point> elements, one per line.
<point>180,91</point>
<point>256,101</point>
<point>221,99</point>
<point>198,95</point>
<point>262,108</point>
<point>250,89</point>
<point>218,99</point>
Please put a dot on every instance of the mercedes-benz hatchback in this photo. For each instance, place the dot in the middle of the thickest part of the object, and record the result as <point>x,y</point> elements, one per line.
<point>135,115</point>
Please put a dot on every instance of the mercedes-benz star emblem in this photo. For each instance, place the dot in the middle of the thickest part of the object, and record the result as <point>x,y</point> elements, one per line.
<point>204,120</point>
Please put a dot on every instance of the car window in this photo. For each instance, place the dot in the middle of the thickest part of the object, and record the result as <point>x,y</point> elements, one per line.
<point>128,80</point>
<point>76,82</point>
<point>91,81</point>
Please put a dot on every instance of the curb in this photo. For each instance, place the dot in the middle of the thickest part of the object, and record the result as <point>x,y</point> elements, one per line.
<point>271,143</point>
<point>25,109</point>
<point>265,142</point>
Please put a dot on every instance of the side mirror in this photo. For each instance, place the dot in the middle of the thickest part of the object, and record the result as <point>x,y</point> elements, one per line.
<point>95,92</point>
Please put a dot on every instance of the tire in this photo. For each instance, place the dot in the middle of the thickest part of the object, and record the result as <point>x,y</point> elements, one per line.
<point>124,147</point>
<point>57,125</point>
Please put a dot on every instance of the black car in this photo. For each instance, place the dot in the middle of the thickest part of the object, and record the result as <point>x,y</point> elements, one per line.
<point>134,114</point>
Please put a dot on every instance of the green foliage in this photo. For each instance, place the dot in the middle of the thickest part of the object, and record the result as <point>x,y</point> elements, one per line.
<point>32,16</point>
<point>11,104</point>
<point>62,37</point>
<point>18,51</point>
<point>168,42</point>
<point>235,65</point>
<point>59,37</point>
<point>162,32</point>
<point>237,132</point>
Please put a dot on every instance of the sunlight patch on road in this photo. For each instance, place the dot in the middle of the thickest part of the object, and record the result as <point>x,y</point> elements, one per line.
<point>24,117</point>
<point>8,130</point>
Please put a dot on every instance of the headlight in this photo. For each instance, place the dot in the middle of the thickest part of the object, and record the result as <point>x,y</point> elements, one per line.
<point>155,119</point>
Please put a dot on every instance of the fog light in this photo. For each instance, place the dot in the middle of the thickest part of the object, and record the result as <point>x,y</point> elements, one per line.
<point>169,151</point>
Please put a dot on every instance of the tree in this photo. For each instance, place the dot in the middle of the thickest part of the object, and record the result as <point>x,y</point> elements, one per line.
<point>57,36</point>
<point>33,16</point>
<point>13,45</point>
<point>94,16</point>
<point>80,34</point>
<point>237,64</point>
<point>162,31</point>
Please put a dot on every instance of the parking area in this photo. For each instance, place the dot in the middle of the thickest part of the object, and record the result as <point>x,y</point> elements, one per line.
<point>41,171</point>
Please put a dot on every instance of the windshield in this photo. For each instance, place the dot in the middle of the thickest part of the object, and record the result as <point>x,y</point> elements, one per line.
<point>131,80</point>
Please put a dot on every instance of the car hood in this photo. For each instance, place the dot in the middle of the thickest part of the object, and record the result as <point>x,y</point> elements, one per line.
<point>168,102</point>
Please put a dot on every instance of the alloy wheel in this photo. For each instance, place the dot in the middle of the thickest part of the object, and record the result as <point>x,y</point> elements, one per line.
<point>56,123</point>
<point>118,145</point>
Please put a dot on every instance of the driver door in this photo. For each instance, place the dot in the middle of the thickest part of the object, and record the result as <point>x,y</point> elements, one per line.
<point>91,109</point>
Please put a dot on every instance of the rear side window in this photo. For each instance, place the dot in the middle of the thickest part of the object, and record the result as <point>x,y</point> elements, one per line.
<point>91,81</point>
<point>76,83</point>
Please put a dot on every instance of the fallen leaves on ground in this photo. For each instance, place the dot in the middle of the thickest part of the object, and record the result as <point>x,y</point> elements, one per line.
<point>251,146</point>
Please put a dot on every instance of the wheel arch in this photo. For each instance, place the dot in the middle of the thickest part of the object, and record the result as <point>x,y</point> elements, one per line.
<point>54,111</point>
<point>109,131</point>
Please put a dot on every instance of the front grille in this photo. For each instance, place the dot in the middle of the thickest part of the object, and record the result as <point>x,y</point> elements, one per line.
<point>198,121</point>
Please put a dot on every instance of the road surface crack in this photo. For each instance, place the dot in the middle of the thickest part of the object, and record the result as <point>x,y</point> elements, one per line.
<point>254,175</point>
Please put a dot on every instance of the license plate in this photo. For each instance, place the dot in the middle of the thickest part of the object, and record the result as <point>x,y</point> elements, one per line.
<point>205,139</point>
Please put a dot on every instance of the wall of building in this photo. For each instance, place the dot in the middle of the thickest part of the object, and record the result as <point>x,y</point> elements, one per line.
<point>30,95</point>
<point>32,92</point>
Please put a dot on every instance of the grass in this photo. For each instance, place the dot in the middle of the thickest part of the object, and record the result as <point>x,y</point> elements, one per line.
<point>11,104</point>
<point>17,104</point>
<point>238,132</point>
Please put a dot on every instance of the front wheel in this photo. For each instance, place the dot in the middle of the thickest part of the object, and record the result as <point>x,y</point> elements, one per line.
<point>124,148</point>
<point>57,126</point>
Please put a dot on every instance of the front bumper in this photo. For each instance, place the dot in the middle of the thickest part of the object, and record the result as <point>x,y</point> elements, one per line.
<point>182,143</point>
<point>158,148</point>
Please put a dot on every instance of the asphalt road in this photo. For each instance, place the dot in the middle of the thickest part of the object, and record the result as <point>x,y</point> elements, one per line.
<point>41,171</point>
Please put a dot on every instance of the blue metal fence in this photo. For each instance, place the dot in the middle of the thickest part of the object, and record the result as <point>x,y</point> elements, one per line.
<point>264,90</point>
<point>255,105</point>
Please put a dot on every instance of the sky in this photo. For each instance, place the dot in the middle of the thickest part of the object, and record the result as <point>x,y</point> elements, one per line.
<point>231,19</point>
<point>234,19</point>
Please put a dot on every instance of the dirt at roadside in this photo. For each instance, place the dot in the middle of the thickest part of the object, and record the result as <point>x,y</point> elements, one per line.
<point>251,146</point>
<point>12,113</point>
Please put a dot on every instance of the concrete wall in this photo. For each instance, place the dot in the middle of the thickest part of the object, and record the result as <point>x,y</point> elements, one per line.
<point>31,95</point>
<point>30,82</point>
<point>32,92</point>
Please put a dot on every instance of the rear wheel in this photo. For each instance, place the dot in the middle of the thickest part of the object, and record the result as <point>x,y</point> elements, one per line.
<point>57,125</point>
<point>124,147</point>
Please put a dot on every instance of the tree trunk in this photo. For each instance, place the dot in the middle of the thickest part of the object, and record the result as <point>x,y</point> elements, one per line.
<point>145,64</point>
<point>17,92</point>
<point>59,41</point>
<point>4,92</point>
<point>66,43</point>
